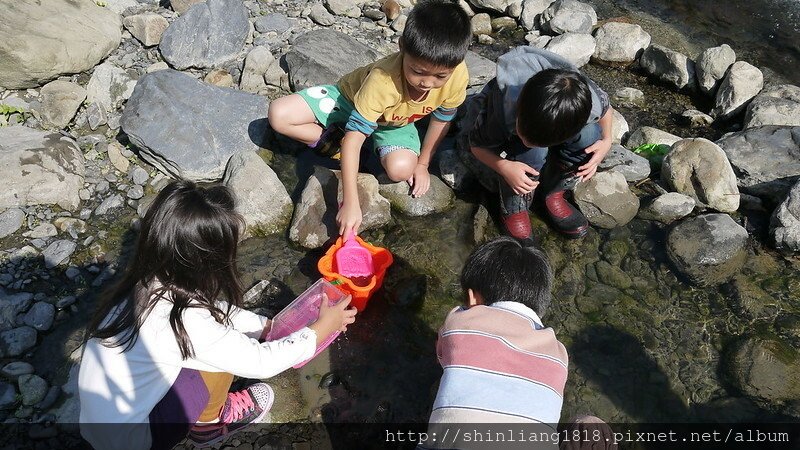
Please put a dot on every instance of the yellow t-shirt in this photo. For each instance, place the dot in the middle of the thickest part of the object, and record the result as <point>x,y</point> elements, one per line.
<point>379,92</point>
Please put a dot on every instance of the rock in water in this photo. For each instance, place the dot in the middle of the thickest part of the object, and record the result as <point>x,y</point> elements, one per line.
<point>60,102</point>
<point>208,35</point>
<point>700,169</point>
<point>650,135</point>
<point>669,66</point>
<point>767,371</point>
<point>40,316</point>
<point>33,388</point>
<point>708,249</point>
<point>667,208</point>
<point>785,223</point>
<point>39,168</point>
<point>743,82</point>
<point>15,342</point>
<point>776,105</point>
<point>606,200</point>
<point>438,198</point>
<point>632,166</point>
<point>198,127</point>
<point>12,305</point>
<point>261,198</point>
<point>712,65</point>
<point>40,40</point>
<point>323,56</point>
<point>314,221</point>
<point>58,252</point>
<point>766,159</point>
<point>619,42</point>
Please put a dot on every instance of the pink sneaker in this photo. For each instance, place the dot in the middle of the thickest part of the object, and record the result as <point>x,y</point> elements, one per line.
<point>241,409</point>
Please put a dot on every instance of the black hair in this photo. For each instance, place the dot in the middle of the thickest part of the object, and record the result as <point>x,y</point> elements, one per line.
<point>438,32</point>
<point>185,253</point>
<point>553,106</point>
<point>509,269</point>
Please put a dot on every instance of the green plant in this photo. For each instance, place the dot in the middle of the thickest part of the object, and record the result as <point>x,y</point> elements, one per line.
<point>653,152</point>
<point>100,3</point>
<point>7,110</point>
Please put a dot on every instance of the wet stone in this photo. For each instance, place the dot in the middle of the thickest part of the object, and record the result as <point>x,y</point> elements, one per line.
<point>58,252</point>
<point>49,399</point>
<point>112,202</point>
<point>40,316</point>
<point>15,342</point>
<point>15,369</point>
<point>8,396</point>
<point>33,389</point>
<point>135,192</point>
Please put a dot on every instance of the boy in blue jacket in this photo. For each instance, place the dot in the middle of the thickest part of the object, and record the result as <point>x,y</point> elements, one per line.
<point>538,108</point>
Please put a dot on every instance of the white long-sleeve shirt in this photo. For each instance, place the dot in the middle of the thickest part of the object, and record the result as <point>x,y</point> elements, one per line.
<point>117,387</point>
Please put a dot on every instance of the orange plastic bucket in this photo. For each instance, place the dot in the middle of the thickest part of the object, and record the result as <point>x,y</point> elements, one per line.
<point>361,292</point>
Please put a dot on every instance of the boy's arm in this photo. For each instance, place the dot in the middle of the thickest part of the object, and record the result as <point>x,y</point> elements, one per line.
<point>349,216</point>
<point>599,149</point>
<point>421,179</point>
<point>515,173</point>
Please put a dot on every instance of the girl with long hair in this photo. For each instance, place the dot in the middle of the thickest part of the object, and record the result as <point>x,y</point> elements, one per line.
<point>170,335</point>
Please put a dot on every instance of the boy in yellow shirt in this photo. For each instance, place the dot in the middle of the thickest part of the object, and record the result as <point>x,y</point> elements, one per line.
<point>383,100</point>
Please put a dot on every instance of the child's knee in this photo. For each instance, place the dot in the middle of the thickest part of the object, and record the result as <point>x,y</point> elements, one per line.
<point>400,168</point>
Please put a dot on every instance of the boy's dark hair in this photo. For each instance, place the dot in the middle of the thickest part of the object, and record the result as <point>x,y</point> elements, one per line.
<point>438,32</point>
<point>507,269</point>
<point>186,253</point>
<point>553,106</point>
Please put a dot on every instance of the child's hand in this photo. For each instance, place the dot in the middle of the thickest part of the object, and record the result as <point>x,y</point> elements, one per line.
<point>349,218</point>
<point>333,318</point>
<point>420,181</point>
<point>599,150</point>
<point>517,174</point>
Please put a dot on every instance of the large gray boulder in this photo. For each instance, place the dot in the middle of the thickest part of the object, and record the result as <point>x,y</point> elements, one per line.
<point>323,56</point>
<point>314,221</point>
<point>621,160</point>
<point>40,40</point>
<point>699,168</point>
<point>438,198</point>
<point>669,66</point>
<point>60,101</point>
<point>712,65</point>
<point>208,35</point>
<point>785,223</point>
<point>743,82</point>
<point>606,200</point>
<point>261,198</point>
<point>766,159</point>
<point>564,16</point>
<point>776,105</point>
<point>650,135</point>
<point>766,371</point>
<point>708,249</point>
<point>39,168</point>
<point>619,42</point>
<point>667,208</point>
<point>576,48</point>
<point>531,9</point>
<point>189,129</point>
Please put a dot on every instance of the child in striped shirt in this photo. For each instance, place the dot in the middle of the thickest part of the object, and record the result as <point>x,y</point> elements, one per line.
<point>500,363</point>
